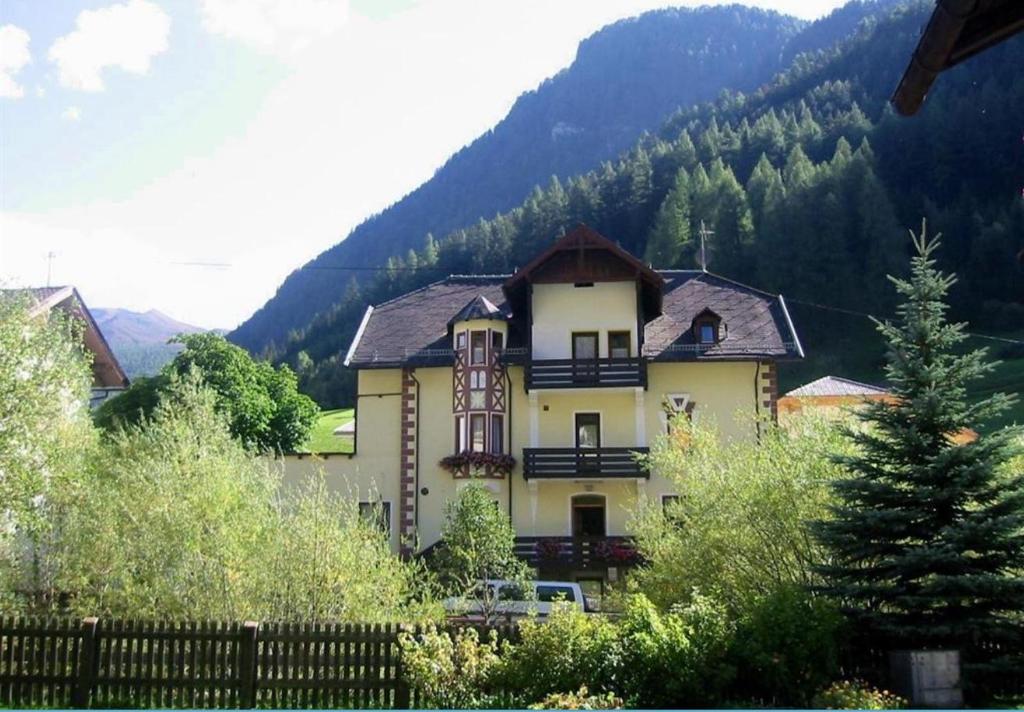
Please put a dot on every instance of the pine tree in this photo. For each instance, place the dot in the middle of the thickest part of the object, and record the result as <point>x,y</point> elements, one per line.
<point>927,537</point>
<point>671,232</point>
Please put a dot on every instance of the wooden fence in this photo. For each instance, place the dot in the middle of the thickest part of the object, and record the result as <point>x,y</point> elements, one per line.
<point>99,663</point>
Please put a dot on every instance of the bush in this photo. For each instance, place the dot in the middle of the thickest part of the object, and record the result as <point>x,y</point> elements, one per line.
<point>579,700</point>
<point>451,672</point>
<point>675,659</point>
<point>857,695</point>
<point>564,653</point>
<point>786,647</point>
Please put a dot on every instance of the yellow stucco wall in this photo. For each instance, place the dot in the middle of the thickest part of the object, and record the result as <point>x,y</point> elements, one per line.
<point>560,309</point>
<point>719,391</point>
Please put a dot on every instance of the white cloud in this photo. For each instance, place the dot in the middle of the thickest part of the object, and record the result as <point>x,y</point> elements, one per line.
<point>281,27</point>
<point>14,55</point>
<point>365,116</point>
<point>125,36</point>
<point>72,113</point>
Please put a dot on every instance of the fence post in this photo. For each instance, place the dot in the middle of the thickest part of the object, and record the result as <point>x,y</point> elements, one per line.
<point>87,659</point>
<point>402,691</point>
<point>247,665</point>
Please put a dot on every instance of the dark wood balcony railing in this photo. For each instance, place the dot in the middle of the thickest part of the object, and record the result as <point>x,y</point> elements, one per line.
<point>575,463</point>
<point>586,373</point>
<point>576,552</point>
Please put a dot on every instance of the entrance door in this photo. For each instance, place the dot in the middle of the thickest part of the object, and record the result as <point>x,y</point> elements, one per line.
<point>588,515</point>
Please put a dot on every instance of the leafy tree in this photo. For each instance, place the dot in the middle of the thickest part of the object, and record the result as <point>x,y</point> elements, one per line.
<point>177,520</point>
<point>739,529</point>
<point>45,433</point>
<point>264,408</point>
<point>478,543</point>
<point>927,537</point>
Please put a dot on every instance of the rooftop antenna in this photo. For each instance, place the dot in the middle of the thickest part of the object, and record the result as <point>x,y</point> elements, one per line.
<point>49,265</point>
<point>704,234</point>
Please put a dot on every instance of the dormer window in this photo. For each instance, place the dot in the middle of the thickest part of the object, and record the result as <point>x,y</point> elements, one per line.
<point>708,328</point>
<point>707,333</point>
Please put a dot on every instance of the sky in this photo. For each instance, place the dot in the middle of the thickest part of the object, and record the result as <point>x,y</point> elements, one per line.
<point>186,155</point>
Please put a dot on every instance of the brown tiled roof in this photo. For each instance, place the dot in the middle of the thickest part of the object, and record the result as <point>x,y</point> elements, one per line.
<point>412,330</point>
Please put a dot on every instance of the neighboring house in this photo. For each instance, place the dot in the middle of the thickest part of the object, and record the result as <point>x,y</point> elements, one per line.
<point>570,367</point>
<point>832,395</point>
<point>108,378</point>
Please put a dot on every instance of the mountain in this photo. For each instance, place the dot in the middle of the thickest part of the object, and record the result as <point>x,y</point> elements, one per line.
<point>808,185</point>
<point>626,79</point>
<point>139,339</point>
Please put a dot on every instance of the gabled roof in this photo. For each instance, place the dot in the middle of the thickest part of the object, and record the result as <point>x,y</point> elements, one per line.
<point>412,330</point>
<point>106,369</point>
<point>957,30</point>
<point>585,255</point>
<point>479,307</point>
<point>836,386</point>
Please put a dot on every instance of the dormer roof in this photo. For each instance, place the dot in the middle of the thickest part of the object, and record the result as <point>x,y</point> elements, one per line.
<point>479,307</point>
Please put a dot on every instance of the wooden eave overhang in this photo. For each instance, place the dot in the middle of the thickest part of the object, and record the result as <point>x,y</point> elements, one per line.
<point>585,255</point>
<point>957,30</point>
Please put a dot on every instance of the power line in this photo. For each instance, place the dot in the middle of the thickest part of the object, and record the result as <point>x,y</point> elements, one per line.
<point>852,312</point>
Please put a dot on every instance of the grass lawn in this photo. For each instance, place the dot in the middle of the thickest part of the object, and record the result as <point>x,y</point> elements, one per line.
<point>323,439</point>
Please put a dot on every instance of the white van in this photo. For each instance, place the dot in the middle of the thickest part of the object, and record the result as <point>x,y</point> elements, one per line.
<point>511,601</point>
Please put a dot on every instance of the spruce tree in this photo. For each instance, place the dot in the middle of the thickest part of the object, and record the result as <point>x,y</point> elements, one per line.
<point>927,537</point>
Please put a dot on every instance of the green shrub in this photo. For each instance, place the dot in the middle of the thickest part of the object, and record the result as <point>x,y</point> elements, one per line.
<point>675,659</point>
<point>565,652</point>
<point>786,647</point>
<point>857,695</point>
<point>579,700</point>
<point>451,672</point>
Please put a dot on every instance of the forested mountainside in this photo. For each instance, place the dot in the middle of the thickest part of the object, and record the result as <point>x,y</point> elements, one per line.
<point>627,78</point>
<point>808,186</point>
<point>139,339</point>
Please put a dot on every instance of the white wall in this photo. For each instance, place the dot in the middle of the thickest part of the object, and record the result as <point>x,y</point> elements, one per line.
<point>560,309</point>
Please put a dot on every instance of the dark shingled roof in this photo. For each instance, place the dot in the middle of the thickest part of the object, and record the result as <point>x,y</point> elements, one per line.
<point>757,322</point>
<point>412,330</point>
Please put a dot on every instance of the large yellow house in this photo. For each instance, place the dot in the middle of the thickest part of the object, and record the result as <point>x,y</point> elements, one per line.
<point>545,383</point>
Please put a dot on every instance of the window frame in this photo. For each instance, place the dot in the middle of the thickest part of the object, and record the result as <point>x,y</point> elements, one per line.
<point>460,341</point>
<point>482,334</point>
<point>482,419</point>
<point>460,433</point>
<point>597,344</point>
<point>629,343</point>
<point>497,439</point>
<point>385,513</point>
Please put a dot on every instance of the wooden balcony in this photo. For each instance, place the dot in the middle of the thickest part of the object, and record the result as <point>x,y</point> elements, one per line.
<point>586,373</point>
<point>572,463</point>
<point>576,552</point>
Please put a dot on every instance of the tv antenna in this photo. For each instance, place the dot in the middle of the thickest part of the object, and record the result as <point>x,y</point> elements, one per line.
<point>704,235</point>
<point>50,256</point>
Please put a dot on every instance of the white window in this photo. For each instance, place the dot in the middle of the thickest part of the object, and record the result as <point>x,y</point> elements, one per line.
<point>460,433</point>
<point>478,341</point>
<point>477,427</point>
<point>478,379</point>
